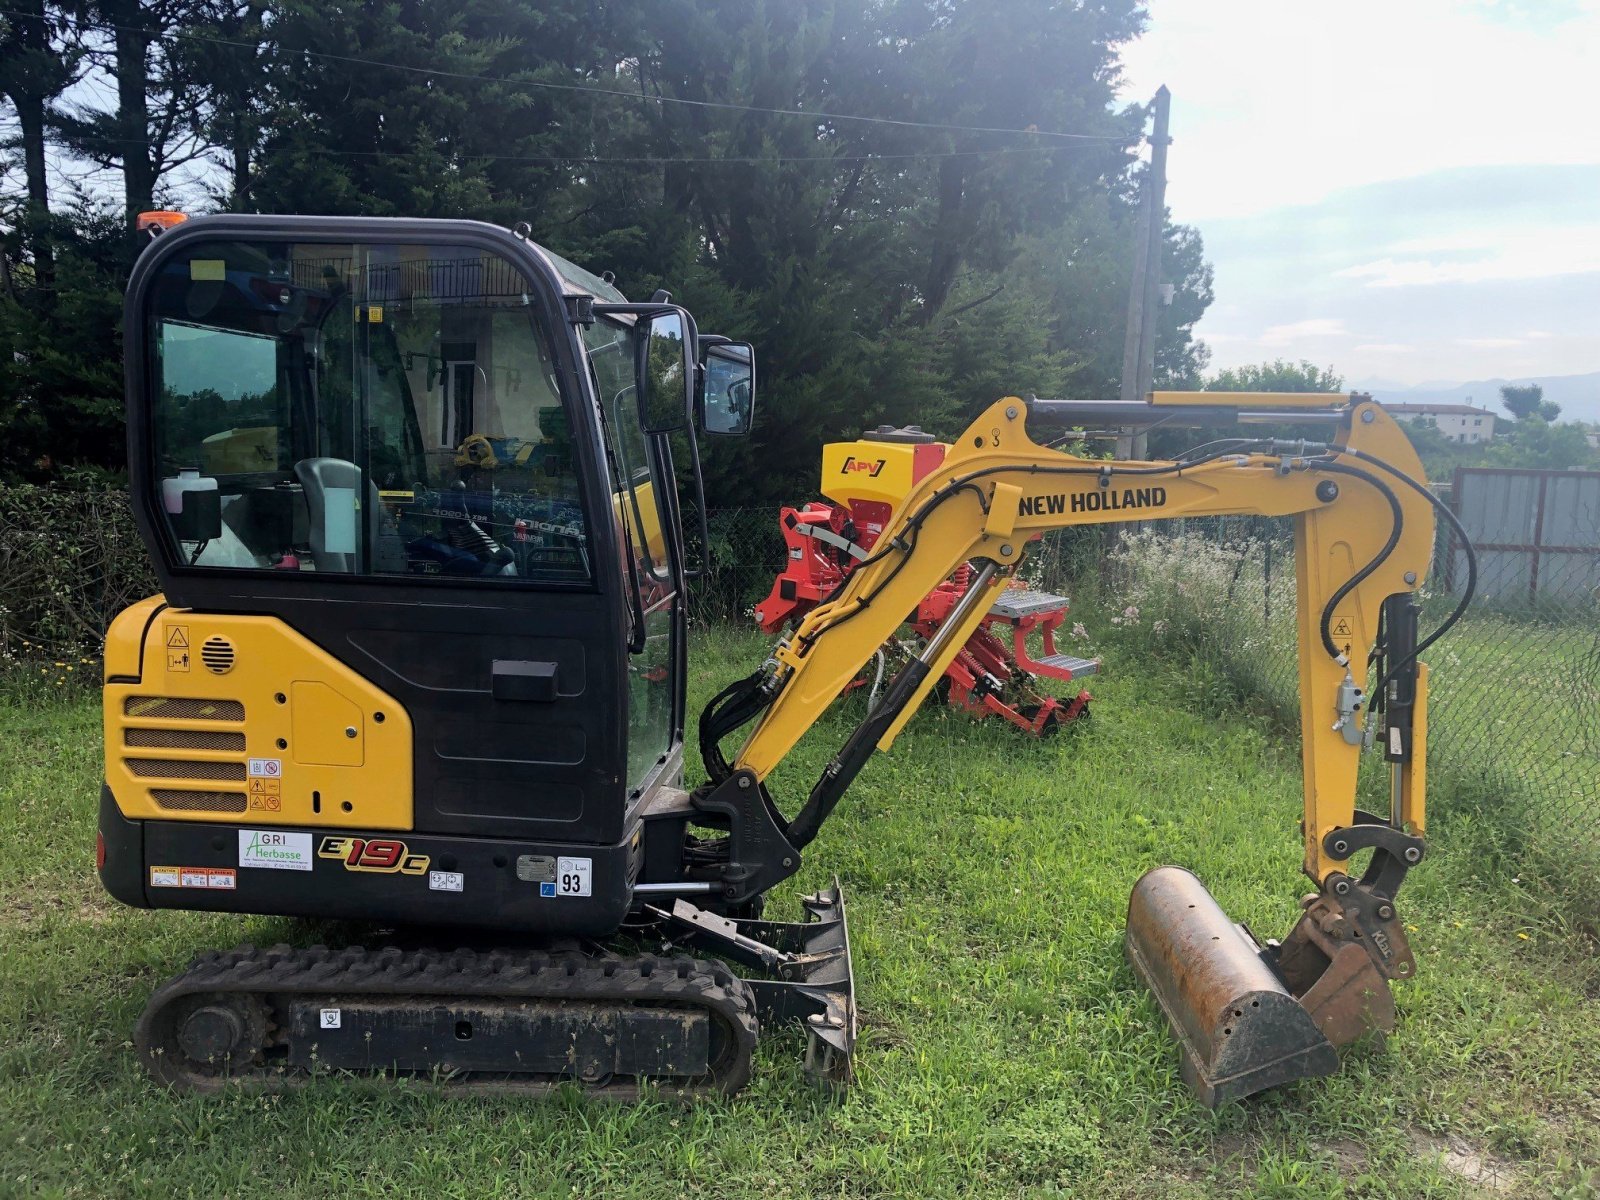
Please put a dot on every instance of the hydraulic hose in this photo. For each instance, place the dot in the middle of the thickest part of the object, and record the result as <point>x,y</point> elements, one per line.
<point>1466,544</point>
<point>1397,524</point>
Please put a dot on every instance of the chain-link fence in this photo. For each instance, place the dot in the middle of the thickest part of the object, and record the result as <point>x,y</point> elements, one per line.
<point>1514,729</point>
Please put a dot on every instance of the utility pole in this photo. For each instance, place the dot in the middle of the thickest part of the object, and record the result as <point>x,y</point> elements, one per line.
<point>1139,345</point>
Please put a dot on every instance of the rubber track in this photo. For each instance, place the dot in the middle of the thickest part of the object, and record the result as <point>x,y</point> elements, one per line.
<point>280,974</point>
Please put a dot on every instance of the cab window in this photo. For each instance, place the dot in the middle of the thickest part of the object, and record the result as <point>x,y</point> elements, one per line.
<point>361,409</point>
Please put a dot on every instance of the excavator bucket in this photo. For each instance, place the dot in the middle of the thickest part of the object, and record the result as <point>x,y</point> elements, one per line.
<point>1239,1026</point>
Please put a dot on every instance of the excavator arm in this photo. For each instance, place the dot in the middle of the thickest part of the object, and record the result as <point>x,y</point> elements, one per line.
<point>1249,1015</point>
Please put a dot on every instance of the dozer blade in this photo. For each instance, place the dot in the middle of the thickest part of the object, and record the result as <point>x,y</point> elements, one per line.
<point>1239,1026</point>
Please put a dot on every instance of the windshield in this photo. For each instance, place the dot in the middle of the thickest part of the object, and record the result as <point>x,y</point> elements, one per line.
<point>361,409</point>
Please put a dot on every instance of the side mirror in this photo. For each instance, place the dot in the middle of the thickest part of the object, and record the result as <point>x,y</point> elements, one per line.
<point>728,389</point>
<point>663,371</point>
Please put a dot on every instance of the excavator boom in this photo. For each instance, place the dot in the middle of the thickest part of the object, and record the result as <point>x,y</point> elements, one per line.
<point>1249,1015</point>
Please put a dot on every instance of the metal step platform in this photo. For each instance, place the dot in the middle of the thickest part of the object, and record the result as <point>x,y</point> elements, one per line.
<point>1014,602</point>
<point>1066,662</point>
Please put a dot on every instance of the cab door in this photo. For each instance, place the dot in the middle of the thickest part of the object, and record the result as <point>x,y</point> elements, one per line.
<point>643,511</point>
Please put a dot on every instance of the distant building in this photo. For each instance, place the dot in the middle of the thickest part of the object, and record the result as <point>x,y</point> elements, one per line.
<point>1458,422</point>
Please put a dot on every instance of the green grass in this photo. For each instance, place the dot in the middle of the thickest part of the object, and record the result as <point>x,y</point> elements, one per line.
<point>1007,1049</point>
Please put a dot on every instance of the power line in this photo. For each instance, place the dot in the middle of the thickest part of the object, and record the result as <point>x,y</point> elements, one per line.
<point>642,160</point>
<point>587,89</point>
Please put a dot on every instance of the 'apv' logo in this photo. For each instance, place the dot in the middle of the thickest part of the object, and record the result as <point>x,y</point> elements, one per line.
<point>854,466</point>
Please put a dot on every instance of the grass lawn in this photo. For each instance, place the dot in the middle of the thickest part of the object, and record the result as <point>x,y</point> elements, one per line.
<point>1007,1049</point>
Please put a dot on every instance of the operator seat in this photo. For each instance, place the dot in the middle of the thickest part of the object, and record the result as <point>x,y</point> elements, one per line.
<point>320,475</point>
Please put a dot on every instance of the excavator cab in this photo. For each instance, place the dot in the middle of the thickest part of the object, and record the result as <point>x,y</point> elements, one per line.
<point>349,425</point>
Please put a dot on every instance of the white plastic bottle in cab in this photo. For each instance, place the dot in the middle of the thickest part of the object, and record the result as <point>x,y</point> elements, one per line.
<point>188,479</point>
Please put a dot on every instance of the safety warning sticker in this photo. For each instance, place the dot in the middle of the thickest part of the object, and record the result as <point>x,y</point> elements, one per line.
<point>1343,627</point>
<point>266,768</point>
<point>266,795</point>
<point>445,881</point>
<point>225,878</point>
<point>177,640</point>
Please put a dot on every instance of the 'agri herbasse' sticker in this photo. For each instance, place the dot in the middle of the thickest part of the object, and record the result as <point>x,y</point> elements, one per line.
<point>275,850</point>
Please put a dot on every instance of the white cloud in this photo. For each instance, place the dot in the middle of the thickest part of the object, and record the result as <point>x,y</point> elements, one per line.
<point>1491,343</point>
<point>1299,331</point>
<point>1382,348</point>
<point>1485,256</point>
<point>1277,104</point>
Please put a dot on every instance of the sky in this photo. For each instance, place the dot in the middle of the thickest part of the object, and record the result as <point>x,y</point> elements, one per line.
<point>1408,192</point>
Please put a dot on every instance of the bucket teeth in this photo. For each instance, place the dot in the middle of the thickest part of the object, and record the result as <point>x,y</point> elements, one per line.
<point>1239,1027</point>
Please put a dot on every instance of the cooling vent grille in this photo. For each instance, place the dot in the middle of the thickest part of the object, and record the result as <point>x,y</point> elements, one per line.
<point>217,654</point>
<point>171,768</point>
<point>182,708</point>
<point>182,739</point>
<point>185,801</point>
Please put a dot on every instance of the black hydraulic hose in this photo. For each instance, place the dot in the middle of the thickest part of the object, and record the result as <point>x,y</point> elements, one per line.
<point>1107,471</point>
<point>1466,544</point>
<point>1349,585</point>
<point>914,526</point>
<point>734,706</point>
<point>740,702</point>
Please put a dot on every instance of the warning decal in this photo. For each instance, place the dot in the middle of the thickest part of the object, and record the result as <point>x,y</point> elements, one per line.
<point>225,878</point>
<point>178,649</point>
<point>266,795</point>
<point>1343,626</point>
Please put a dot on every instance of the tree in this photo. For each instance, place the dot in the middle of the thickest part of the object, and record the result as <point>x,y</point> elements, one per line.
<point>1277,376</point>
<point>1522,402</point>
<point>907,271</point>
<point>33,72</point>
<point>230,60</point>
<point>1535,442</point>
<point>154,126</point>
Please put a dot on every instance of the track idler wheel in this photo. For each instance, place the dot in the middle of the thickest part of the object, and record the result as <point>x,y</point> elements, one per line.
<point>208,1037</point>
<point>1239,1026</point>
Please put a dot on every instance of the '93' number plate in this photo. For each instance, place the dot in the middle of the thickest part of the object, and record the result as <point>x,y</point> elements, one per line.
<point>574,877</point>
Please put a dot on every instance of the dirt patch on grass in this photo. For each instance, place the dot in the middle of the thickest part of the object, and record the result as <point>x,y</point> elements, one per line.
<point>1349,1156</point>
<point>1467,1162</point>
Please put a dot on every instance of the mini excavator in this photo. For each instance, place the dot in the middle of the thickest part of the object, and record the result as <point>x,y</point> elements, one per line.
<point>994,673</point>
<point>419,654</point>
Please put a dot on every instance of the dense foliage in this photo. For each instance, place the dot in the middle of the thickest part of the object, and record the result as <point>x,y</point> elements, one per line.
<point>905,269</point>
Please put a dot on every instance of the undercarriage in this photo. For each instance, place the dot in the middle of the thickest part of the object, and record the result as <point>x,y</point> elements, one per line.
<point>514,1020</point>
